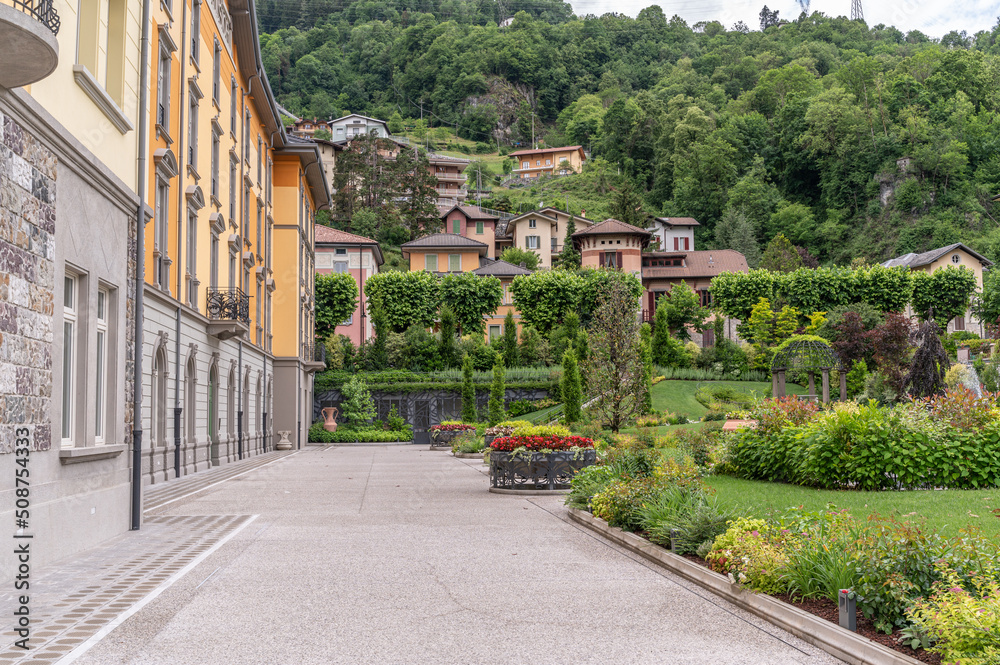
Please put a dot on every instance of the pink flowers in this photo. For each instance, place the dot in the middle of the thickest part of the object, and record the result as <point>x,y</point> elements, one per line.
<point>451,427</point>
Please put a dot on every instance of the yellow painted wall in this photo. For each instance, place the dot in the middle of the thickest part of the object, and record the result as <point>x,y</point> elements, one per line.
<point>969,262</point>
<point>67,101</point>
<point>418,259</point>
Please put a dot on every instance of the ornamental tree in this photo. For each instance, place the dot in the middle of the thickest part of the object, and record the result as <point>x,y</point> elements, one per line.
<point>336,300</point>
<point>943,294</point>
<point>408,298</point>
<point>569,258</point>
<point>543,298</point>
<point>471,297</point>
<point>735,294</point>
<point>930,363</point>
<point>508,343</point>
<point>570,385</point>
<point>594,283</point>
<point>517,256</point>
<point>683,310</point>
<point>357,407</point>
<point>615,365</point>
<point>497,393</point>
<point>378,354</point>
<point>781,255</point>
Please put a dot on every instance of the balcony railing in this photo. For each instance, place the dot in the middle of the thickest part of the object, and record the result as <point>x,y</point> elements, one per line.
<point>314,352</point>
<point>42,11</point>
<point>229,305</point>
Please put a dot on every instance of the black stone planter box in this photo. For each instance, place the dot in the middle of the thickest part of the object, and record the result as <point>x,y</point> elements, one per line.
<point>536,470</point>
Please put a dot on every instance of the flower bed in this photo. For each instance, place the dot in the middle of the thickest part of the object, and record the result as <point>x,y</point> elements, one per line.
<point>919,588</point>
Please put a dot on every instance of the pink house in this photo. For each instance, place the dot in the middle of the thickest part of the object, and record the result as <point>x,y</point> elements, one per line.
<point>339,251</point>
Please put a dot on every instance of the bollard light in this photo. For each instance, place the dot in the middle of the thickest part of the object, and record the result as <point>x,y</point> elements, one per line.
<point>674,533</point>
<point>848,610</point>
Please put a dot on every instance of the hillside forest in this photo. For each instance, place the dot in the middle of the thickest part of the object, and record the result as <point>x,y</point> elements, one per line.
<point>856,142</point>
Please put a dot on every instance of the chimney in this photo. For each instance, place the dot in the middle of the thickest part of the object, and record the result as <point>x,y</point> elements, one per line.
<point>524,265</point>
<point>711,260</point>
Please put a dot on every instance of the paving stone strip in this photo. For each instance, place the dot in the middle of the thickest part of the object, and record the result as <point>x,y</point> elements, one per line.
<point>78,597</point>
<point>162,494</point>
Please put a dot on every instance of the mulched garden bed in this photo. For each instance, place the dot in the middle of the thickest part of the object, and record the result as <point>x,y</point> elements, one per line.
<point>827,609</point>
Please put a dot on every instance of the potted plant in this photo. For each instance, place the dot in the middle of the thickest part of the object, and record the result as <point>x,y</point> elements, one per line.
<point>442,434</point>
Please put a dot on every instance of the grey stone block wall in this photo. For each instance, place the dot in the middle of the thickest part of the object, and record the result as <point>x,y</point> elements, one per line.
<point>27,228</point>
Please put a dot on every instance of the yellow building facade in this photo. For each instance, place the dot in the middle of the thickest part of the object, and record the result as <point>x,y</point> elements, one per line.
<point>229,202</point>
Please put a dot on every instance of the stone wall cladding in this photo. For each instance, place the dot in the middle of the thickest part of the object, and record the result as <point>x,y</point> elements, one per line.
<point>27,244</point>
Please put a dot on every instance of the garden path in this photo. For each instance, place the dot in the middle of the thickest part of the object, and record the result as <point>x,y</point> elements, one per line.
<point>400,555</point>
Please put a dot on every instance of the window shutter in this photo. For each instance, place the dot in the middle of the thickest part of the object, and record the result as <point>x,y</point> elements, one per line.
<point>687,245</point>
<point>677,244</point>
<point>619,260</point>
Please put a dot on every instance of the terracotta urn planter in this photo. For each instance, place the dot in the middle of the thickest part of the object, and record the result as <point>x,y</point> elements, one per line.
<point>330,418</point>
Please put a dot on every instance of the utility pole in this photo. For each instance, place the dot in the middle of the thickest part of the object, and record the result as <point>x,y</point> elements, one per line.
<point>857,13</point>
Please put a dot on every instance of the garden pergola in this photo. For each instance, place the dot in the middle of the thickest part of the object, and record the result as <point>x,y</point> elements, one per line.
<point>810,356</point>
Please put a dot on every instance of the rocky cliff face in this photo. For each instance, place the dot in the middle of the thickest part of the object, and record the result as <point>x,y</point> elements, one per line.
<point>506,98</point>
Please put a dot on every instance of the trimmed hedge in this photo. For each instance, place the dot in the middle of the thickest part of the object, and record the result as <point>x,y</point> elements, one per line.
<point>319,435</point>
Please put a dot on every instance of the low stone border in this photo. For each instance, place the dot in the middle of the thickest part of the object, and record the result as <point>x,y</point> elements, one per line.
<point>468,455</point>
<point>445,447</point>
<point>500,490</point>
<point>829,637</point>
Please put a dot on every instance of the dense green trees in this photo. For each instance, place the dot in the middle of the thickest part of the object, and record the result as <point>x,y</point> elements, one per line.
<point>336,300</point>
<point>853,141</point>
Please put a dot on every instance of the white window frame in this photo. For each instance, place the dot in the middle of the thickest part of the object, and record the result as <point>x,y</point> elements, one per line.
<point>532,242</point>
<point>71,334</point>
<point>532,223</point>
<point>195,30</point>
<point>100,369</point>
<point>340,267</point>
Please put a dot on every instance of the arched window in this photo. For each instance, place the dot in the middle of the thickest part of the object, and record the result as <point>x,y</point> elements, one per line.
<point>158,400</point>
<point>259,425</point>
<point>231,403</point>
<point>190,402</point>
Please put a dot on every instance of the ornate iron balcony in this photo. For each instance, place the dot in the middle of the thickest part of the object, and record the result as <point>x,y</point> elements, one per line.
<point>314,351</point>
<point>42,11</point>
<point>229,305</point>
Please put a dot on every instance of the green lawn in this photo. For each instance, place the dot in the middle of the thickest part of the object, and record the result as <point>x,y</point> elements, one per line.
<point>663,430</point>
<point>677,397</point>
<point>946,510</point>
<point>542,417</point>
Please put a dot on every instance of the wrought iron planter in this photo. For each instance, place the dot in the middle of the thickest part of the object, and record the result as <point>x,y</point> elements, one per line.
<point>537,470</point>
<point>488,439</point>
<point>443,439</point>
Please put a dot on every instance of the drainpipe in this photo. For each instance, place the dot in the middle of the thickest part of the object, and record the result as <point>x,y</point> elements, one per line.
<point>181,130</point>
<point>140,269</point>
<point>239,412</point>
<point>177,396</point>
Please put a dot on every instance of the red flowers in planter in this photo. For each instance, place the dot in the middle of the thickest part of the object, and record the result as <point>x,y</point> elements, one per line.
<point>451,427</point>
<point>509,443</point>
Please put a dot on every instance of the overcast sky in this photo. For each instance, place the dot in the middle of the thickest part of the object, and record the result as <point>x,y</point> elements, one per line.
<point>932,17</point>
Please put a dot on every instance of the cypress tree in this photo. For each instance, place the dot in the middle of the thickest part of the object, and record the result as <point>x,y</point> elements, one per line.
<point>468,391</point>
<point>446,347</point>
<point>571,391</point>
<point>509,341</point>
<point>645,339</point>
<point>497,390</point>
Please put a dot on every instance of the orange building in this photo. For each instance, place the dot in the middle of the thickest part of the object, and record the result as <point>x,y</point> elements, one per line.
<point>505,272</point>
<point>548,161</point>
<point>612,244</point>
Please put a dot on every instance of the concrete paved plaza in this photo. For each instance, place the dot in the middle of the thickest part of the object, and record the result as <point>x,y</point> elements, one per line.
<point>398,554</point>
